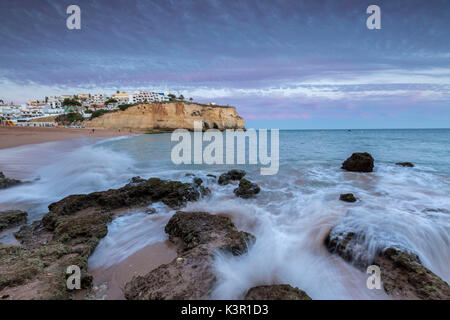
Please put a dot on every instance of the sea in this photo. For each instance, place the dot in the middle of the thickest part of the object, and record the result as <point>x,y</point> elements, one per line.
<point>402,207</point>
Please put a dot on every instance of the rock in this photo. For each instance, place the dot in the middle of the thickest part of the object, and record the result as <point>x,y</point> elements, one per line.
<point>407,277</point>
<point>276,292</point>
<point>7,182</point>
<point>359,162</point>
<point>189,174</point>
<point>246,189</point>
<point>405,164</point>
<point>150,211</point>
<point>402,274</point>
<point>68,235</point>
<point>211,176</point>
<point>234,174</point>
<point>347,197</point>
<point>198,181</point>
<point>136,180</point>
<point>12,218</point>
<point>190,275</point>
<point>172,193</point>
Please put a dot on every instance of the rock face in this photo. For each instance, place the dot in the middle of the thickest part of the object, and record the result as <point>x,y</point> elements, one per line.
<point>69,233</point>
<point>7,182</point>
<point>231,175</point>
<point>276,292</point>
<point>190,276</point>
<point>402,274</point>
<point>359,162</point>
<point>246,189</point>
<point>405,164</point>
<point>169,116</point>
<point>12,218</point>
<point>347,197</point>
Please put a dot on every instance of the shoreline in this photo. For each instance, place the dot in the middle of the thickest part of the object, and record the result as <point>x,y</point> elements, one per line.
<point>18,136</point>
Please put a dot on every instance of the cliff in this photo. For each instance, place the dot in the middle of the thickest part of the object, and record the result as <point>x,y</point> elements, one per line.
<point>169,116</point>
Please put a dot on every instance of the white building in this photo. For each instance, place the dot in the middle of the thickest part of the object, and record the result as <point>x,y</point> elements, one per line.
<point>33,109</point>
<point>148,96</point>
<point>9,111</point>
<point>54,102</point>
<point>98,99</point>
<point>122,97</point>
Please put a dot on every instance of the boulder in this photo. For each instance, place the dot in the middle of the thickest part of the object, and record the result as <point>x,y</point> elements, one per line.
<point>405,164</point>
<point>12,218</point>
<point>359,162</point>
<point>190,276</point>
<point>69,234</point>
<point>402,274</point>
<point>7,182</point>
<point>276,292</point>
<point>247,189</point>
<point>198,181</point>
<point>234,174</point>
<point>347,197</point>
<point>172,193</point>
<point>136,180</point>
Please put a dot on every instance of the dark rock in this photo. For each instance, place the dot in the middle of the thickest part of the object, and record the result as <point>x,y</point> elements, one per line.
<point>402,273</point>
<point>190,276</point>
<point>211,176</point>
<point>246,189</point>
<point>136,180</point>
<point>7,182</point>
<point>150,210</point>
<point>68,235</point>
<point>407,277</point>
<point>405,164</point>
<point>189,175</point>
<point>172,193</point>
<point>347,197</point>
<point>12,218</point>
<point>359,162</point>
<point>234,174</point>
<point>198,181</point>
<point>276,292</point>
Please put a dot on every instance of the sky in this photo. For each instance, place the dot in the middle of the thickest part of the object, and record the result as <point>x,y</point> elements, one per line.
<point>287,64</point>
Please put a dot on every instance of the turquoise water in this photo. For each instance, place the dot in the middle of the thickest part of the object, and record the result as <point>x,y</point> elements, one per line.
<point>397,206</point>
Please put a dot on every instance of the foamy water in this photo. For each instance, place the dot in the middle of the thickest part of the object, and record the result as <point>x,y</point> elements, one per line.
<point>397,206</point>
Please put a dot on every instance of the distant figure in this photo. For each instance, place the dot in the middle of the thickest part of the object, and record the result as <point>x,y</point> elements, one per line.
<point>93,131</point>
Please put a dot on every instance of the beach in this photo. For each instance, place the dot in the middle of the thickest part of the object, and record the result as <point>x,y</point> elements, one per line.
<point>17,136</point>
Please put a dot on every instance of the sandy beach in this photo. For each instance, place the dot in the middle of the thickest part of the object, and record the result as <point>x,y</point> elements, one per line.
<point>16,136</point>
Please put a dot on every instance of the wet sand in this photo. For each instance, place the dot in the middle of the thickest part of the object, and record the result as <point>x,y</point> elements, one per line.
<point>109,282</point>
<point>17,136</point>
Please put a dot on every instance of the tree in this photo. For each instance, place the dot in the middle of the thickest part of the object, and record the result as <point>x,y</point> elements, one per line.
<point>190,99</point>
<point>70,102</point>
<point>181,97</point>
<point>110,100</point>
<point>172,97</point>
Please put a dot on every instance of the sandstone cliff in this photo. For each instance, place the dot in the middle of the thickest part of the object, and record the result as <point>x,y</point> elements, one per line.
<point>169,116</point>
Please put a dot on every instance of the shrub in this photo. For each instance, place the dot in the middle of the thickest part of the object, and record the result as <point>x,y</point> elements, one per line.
<point>98,113</point>
<point>69,117</point>
<point>124,107</point>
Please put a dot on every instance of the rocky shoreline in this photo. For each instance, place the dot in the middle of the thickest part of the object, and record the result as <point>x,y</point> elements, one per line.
<point>69,233</point>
